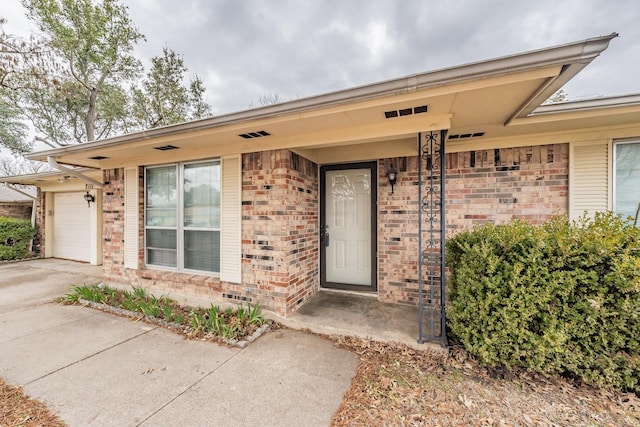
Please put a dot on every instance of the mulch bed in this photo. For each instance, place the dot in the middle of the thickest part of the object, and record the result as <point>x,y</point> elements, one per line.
<point>16,409</point>
<point>398,386</point>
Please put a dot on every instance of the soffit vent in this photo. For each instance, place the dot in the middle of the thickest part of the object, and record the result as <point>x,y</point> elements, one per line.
<point>466,135</point>
<point>406,111</point>
<point>258,134</point>
<point>166,148</point>
<point>98,158</point>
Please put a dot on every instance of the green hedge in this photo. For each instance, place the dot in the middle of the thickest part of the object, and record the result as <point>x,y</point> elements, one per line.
<point>562,298</point>
<point>15,235</point>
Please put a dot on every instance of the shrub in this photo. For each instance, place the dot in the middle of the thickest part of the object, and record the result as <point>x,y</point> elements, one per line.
<point>15,235</point>
<point>562,298</point>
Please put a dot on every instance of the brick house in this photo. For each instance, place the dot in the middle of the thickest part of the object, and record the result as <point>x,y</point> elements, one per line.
<point>18,202</point>
<point>273,204</point>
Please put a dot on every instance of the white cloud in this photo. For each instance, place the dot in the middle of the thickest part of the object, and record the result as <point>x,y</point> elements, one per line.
<point>244,49</point>
<point>376,40</point>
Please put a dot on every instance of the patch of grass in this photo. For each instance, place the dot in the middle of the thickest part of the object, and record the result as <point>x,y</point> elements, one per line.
<point>139,292</point>
<point>89,293</point>
<point>167,312</point>
<point>130,304</point>
<point>229,324</point>
<point>255,315</point>
<point>17,409</point>
<point>211,322</point>
<point>151,308</point>
<point>198,322</point>
<point>178,318</point>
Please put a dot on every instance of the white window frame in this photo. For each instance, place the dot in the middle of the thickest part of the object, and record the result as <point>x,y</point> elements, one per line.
<point>615,167</point>
<point>180,228</point>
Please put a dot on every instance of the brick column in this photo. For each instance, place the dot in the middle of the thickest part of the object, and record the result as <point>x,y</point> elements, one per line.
<point>280,228</point>
<point>113,224</point>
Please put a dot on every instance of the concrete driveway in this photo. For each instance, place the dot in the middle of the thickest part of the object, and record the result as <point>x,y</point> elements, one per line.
<point>98,369</point>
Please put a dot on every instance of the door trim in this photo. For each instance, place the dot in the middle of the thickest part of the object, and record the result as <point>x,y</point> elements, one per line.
<point>373,167</point>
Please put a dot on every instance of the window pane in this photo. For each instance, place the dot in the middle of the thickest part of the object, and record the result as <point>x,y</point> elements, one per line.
<point>161,196</point>
<point>627,185</point>
<point>202,250</point>
<point>161,247</point>
<point>202,195</point>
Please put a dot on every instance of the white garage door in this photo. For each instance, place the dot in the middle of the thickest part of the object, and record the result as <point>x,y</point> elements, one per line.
<point>71,227</point>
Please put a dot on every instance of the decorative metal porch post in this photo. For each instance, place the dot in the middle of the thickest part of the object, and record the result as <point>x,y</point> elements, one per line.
<point>431,237</point>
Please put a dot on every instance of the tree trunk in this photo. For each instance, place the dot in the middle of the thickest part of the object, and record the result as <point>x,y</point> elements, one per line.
<point>90,119</point>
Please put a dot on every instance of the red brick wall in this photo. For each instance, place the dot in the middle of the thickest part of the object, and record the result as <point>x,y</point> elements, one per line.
<point>280,221</point>
<point>16,210</point>
<point>488,186</point>
<point>113,224</point>
<point>528,183</point>
<point>113,247</point>
<point>280,228</point>
<point>279,237</point>
<point>397,231</point>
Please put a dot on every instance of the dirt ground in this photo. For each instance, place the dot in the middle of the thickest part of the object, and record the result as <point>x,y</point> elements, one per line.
<point>398,386</point>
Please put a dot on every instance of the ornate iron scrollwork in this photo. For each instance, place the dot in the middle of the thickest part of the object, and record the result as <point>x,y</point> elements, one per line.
<point>431,241</point>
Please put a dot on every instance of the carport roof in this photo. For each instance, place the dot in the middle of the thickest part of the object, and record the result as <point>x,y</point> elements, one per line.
<point>52,178</point>
<point>482,97</point>
<point>8,195</point>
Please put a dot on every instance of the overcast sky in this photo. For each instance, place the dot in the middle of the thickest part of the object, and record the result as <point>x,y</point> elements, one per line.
<point>298,48</point>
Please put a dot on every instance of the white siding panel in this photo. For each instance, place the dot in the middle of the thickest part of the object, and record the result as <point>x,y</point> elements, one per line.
<point>71,227</point>
<point>231,221</point>
<point>589,178</point>
<point>131,219</point>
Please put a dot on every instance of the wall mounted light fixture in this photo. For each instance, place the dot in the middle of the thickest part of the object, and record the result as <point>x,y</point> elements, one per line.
<point>89,198</point>
<point>392,175</point>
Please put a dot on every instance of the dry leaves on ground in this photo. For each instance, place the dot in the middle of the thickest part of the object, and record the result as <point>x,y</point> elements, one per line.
<point>396,385</point>
<point>16,409</point>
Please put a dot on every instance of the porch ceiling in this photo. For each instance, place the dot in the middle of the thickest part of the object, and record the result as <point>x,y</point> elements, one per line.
<point>476,106</point>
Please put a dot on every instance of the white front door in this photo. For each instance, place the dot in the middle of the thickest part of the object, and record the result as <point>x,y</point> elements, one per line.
<point>347,226</point>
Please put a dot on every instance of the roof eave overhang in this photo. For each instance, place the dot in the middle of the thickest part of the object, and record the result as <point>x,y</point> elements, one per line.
<point>573,57</point>
<point>588,104</point>
<point>36,179</point>
<point>583,109</point>
<point>591,48</point>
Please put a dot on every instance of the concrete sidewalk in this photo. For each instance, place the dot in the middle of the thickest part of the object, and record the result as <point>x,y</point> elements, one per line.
<point>98,369</point>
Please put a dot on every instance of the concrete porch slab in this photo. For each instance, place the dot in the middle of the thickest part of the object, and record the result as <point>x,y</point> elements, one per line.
<point>351,314</point>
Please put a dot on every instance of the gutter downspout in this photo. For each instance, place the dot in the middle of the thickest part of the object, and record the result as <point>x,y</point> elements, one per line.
<point>54,164</point>
<point>24,193</point>
<point>34,207</point>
